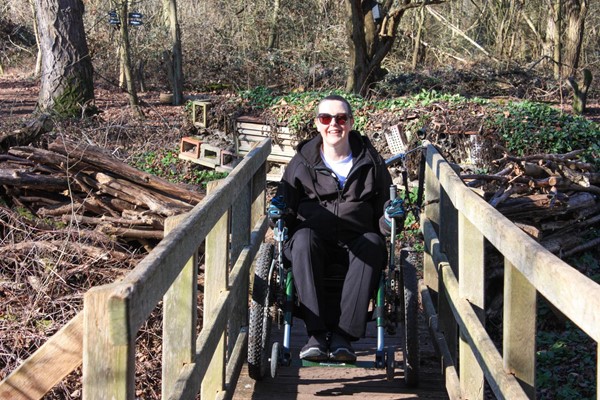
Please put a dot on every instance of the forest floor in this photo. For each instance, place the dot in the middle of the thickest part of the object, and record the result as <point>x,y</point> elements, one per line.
<point>115,129</point>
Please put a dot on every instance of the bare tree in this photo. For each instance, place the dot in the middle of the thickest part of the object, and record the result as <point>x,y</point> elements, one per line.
<point>175,62</point>
<point>273,25</point>
<point>371,29</point>
<point>575,13</point>
<point>38,61</point>
<point>67,85</point>
<point>125,51</point>
<point>552,45</point>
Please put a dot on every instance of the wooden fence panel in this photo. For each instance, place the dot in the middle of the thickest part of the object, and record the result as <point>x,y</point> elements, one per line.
<point>541,268</point>
<point>504,386</point>
<point>529,269</point>
<point>188,384</point>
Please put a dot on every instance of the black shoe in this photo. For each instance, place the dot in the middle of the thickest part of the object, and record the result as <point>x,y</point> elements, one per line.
<point>315,349</point>
<point>340,349</point>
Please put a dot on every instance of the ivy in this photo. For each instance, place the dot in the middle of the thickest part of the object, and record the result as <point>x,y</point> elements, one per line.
<point>530,128</point>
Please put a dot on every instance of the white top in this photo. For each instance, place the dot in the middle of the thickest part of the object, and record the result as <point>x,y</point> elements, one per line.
<point>341,168</point>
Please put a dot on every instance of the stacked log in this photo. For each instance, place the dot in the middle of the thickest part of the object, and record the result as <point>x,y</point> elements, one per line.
<point>85,185</point>
<point>552,197</point>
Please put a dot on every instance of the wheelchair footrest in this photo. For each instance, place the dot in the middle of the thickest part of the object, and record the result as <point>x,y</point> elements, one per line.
<point>333,364</point>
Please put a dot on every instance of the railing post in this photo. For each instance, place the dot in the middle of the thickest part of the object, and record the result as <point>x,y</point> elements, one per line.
<point>240,237</point>
<point>432,213</point>
<point>108,346</point>
<point>444,220</point>
<point>519,328</point>
<point>216,273</point>
<point>471,284</point>
<point>180,315</point>
<point>447,241</point>
<point>259,183</point>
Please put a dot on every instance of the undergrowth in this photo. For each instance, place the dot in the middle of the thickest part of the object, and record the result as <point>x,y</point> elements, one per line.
<point>166,164</point>
<point>530,128</point>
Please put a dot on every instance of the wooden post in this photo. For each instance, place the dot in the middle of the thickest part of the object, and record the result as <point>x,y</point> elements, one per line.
<point>471,285</point>
<point>240,237</point>
<point>180,316</point>
<point>432,212</point>
<point>447,323</point>
<point>259,181</point>
<point>108,346</point>
<point>518,335</point>
<point>215,283</point>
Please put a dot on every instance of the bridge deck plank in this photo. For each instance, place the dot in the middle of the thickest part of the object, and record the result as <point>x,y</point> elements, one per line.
<point>300,383</point>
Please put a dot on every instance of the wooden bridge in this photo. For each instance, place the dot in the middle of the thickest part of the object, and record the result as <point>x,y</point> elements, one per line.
<point>210,361</point>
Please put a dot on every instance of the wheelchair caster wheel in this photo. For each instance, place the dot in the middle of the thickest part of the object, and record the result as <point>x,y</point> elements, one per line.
<point>275,359</point>
<point>390,364</point>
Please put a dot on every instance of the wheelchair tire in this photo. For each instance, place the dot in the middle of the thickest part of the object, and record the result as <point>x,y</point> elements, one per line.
<point>275,358</point>
<point>390,364</point>
<point>260,317</point>
<point>411,320</point>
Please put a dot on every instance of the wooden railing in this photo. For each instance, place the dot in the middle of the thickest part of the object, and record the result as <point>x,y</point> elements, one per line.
<point>455,224</point>
<point>231,223</point>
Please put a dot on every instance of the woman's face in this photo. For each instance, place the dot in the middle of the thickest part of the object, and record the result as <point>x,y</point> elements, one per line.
<point>334,123</point>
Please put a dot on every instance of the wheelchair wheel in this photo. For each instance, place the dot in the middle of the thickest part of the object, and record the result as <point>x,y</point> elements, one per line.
<point>411,320</point>
<point>260,318</point>
<point>275,358</point>
<point>390,364</point>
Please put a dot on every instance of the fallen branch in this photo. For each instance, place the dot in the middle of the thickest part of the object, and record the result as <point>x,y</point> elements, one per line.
<point>592,244</point>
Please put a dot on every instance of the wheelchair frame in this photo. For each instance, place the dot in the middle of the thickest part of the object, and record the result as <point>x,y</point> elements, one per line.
<point>273,295</point>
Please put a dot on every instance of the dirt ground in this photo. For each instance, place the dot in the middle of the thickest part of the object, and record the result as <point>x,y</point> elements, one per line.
<point>19,94</point>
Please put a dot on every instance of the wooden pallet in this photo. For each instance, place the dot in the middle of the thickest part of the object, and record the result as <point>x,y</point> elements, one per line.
<point>249,132</point>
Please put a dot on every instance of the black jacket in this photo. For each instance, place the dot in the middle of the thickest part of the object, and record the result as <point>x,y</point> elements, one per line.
<point>312,193</point>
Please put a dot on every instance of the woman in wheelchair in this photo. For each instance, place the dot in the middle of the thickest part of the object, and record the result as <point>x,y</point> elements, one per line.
<point>333,198</point>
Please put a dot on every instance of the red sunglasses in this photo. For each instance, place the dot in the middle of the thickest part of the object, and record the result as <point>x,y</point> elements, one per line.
<point>340,119</point>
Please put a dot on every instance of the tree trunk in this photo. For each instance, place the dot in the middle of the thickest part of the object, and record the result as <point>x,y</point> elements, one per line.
<point>38,59</point>
<point>356,44</point>
<point>170,7</point>
<point>273,26</point>
<point>553,35</point>
<point>418,48</point>
<point>126,59</point>
<point>67,85</point>
<point>369,42</point>
<point>575,13</point>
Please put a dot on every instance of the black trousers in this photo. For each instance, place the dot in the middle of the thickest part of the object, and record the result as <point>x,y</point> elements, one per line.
<point>362,259</point>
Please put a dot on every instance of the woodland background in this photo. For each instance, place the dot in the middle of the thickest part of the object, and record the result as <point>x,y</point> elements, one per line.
<point>303,44</point>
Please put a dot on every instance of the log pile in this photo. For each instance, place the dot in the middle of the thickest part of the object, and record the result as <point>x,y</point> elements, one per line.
<point>82,184</point>
<point>552,197</point>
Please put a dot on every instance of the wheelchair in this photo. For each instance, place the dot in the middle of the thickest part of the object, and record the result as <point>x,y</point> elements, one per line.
<point>395,302</point>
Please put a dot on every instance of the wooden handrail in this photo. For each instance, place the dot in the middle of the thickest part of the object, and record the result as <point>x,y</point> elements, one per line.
<point>103,335</point>
<point>454,217</point>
